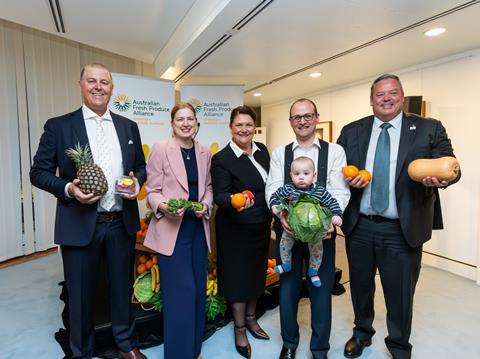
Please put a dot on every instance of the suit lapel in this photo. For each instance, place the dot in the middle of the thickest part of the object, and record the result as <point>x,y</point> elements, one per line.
<point>261,158</point>
<point>201,156</point>
<point>407,135</point>
<point>122,139</point>
<point>79,129</point>
<point>175,159</point>
<point>364,133</point>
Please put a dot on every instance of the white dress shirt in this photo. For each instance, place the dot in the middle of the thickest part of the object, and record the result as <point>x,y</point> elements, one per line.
<point>336,184</point>
<point>238,152</point>
<point>90,119</point>
<point>394,133</point>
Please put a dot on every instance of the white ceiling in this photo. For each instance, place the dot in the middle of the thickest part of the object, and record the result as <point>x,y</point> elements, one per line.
<point>287,36</point>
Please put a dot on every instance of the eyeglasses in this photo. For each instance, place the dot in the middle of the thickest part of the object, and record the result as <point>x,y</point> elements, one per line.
<point>308,117</point>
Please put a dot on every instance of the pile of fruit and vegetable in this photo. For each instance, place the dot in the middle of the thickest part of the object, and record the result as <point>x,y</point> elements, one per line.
<point>144,222</point>
<point>215,304</point>
<point>146,288</point>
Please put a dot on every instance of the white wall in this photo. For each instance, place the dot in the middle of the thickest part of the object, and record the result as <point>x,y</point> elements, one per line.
<point>451,87</point>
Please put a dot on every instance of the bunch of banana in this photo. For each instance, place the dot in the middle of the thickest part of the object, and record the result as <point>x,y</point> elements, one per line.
<point>212,288</point>
<point>155,278</point>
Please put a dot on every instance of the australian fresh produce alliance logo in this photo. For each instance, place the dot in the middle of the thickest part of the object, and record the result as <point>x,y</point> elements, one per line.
<point>122,103</point>
<point>196,103</point>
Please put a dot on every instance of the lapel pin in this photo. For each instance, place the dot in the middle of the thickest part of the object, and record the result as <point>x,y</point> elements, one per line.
<point>130,142</point>
<point>413,128</point>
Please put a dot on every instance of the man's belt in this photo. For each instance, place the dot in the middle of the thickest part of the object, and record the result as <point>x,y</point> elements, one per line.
<point>378,219</point>
<point>107,217</point>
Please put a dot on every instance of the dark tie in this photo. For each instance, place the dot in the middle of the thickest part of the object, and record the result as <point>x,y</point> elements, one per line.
<point>381,171</point>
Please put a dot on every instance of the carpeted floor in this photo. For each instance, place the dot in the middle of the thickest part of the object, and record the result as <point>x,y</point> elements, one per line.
<point>445,324</point>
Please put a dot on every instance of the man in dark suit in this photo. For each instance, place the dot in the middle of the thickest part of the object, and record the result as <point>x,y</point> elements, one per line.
<point>88,226</point>
<point>387,221</point>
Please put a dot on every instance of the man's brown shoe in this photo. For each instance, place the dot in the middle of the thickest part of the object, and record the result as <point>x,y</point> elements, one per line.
<point>133,354</point>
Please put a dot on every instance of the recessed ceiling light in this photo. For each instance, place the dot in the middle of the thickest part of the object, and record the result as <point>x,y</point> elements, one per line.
<point>315,75</point>
<point>257,94</point>
<point>435,32</point>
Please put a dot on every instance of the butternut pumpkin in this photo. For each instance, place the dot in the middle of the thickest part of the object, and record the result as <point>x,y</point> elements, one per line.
<point>443,168</point>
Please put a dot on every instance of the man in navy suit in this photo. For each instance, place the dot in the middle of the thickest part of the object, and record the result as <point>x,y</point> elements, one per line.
<point>387,221</point>
<point>89,227</point>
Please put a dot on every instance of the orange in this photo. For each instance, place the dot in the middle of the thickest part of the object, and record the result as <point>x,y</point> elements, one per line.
<point>238,200</point>
<point>149,264</point>
<point>142,259</point>
<point>365,175</point>
<point>350,171</point>
<point>141,268</point>
<point>154,259</point>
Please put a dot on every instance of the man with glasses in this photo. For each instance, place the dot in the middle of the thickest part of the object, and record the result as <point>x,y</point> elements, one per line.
<point>329,159</point>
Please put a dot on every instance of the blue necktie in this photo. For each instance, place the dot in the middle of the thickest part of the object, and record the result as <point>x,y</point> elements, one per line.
<point>381,171</point>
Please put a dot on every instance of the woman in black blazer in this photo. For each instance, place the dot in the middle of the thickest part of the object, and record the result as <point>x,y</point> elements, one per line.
<point>242,234</point>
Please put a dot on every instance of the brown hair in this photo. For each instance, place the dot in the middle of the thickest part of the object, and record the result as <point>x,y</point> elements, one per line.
<point>304,100</point>
<point>182,105</point>
<point>385,77</point>
<point>244,110</point>
<point>303,159</point>
<point>94,64</point>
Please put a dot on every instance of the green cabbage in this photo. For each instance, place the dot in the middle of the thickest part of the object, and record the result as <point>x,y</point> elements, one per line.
<point>142,288</point>
<point>308,220</point>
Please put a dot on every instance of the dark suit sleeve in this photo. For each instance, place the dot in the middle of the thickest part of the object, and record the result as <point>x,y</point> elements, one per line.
<point>222,180</point>
<point>45,163</point>
<point>139,171</point>
<point>442,146</point>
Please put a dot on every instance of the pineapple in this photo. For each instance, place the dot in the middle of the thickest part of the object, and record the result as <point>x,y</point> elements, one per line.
<point>92,179</point>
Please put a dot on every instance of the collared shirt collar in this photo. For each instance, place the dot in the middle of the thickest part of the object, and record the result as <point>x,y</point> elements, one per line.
<point>238,151</point>
<point>316,142</point>
<point>396,122</point>
<point>89,114</point>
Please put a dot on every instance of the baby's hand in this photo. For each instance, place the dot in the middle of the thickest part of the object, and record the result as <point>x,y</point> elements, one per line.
<point>276,211</point>
<point>337,220</point>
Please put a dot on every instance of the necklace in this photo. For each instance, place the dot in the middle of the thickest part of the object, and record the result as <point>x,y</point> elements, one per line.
<point>186,153</point>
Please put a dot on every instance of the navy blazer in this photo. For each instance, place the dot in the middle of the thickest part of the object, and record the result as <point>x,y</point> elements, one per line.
<point>418,206</point>
<point>75,222</point>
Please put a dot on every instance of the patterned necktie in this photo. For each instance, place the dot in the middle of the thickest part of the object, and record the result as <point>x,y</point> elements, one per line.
<point>105,162</point>
<point>381,171</point>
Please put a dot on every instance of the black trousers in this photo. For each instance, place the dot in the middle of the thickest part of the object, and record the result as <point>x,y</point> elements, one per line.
<point>80,267</point>
<point>291,284</point>
<point>379,244</point>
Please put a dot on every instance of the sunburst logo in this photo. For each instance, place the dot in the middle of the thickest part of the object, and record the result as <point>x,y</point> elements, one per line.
<point>196,103</point>
<point>121,103</point>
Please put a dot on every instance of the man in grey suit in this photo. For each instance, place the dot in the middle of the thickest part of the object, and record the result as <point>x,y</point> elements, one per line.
<point>387,221</point>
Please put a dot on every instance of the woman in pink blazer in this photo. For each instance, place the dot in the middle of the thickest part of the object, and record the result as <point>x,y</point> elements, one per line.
<point>180,168</point>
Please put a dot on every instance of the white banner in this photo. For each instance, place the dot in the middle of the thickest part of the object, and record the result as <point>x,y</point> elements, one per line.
<point>213,104</point>
<point>148,102</point>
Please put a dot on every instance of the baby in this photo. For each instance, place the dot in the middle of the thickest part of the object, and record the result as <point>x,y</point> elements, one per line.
<point>302,173</point>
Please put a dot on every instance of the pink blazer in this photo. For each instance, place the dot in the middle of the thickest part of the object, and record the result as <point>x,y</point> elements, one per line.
<point>167,178</point>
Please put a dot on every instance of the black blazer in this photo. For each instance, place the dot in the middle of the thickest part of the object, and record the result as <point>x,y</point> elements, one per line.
<point>232,174</point>
<point>418,206</point>
<point>75,222</point>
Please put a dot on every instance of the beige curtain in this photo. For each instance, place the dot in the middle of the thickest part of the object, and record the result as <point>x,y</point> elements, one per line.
<point>38,80</point>
<point>11,242</point>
